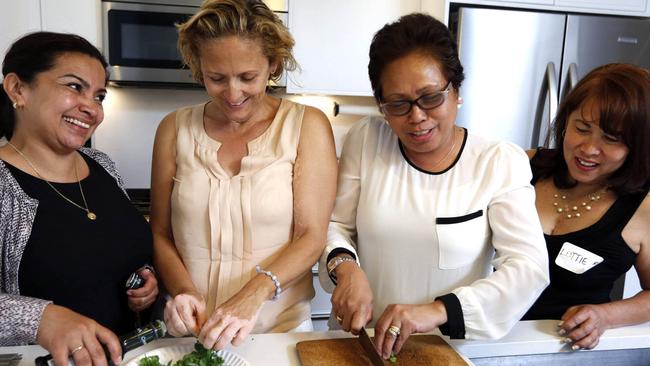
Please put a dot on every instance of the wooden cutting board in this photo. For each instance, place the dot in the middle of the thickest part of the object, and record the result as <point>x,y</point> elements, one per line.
<point>420,349</point>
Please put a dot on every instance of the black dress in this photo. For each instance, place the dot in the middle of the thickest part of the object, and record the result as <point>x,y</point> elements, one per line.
<point>83,264</point>
<point>593,286</point>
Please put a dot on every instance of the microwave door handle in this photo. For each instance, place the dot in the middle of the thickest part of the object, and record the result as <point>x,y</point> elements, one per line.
<point>548,89</point>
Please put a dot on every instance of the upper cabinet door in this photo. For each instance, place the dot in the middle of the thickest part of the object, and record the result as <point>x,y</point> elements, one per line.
<point>16,19</point>
<point>81,17</point>
<point>332,42</point>
<point>622,5</point>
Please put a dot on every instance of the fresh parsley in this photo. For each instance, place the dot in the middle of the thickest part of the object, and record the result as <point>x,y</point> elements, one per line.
<point>199,357</point>
<point>392,358</point>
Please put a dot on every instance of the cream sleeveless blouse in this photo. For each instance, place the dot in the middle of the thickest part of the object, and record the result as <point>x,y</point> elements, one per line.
<point>224,225</point>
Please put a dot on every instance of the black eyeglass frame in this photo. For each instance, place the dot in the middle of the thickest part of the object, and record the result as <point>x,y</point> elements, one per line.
<point>444,92</point>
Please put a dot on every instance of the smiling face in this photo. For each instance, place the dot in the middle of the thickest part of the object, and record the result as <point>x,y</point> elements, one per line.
<point>425,134</point>
<point>63,105</point>
<point>235,73</point>
<point>591,154</point>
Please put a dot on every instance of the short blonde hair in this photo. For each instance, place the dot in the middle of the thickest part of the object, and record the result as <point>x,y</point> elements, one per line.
<point>251,19</point>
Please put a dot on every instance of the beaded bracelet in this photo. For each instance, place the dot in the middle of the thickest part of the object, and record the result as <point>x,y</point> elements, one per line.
<point>273,278</point>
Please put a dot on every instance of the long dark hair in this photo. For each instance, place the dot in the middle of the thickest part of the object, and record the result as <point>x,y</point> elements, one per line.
<point>33,54</point>
<point>414,33</point>
<point>622,93</point>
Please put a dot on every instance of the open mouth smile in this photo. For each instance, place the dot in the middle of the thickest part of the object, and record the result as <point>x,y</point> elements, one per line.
<point>76,122</point>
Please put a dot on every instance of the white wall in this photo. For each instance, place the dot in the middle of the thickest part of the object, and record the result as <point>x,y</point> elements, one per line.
<point>132,116</point>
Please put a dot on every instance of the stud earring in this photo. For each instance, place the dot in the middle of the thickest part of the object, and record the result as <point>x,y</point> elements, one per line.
<point>15,105</point>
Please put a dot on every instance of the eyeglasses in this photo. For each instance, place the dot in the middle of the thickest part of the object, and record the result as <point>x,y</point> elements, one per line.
<point>424,102</point>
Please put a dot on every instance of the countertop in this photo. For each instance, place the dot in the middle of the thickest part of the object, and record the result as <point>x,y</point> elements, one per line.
<point>526,338</point>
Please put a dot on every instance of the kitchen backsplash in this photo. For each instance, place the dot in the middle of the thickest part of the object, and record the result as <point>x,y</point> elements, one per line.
<point>133,114</point>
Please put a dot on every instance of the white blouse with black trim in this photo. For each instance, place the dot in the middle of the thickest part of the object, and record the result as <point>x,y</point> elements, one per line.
<point>420,235</point>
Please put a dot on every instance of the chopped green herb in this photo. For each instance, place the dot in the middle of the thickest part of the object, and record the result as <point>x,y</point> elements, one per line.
<point>150,361</point>
<point>392,358</point>
<point>199,357</point>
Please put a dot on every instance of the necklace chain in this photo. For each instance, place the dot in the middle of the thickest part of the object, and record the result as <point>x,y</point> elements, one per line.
<point>453,145</point>
<point>574,211</point>
<point>91,215</point>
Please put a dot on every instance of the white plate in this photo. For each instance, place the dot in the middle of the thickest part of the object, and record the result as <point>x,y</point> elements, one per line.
<point>175,353</point>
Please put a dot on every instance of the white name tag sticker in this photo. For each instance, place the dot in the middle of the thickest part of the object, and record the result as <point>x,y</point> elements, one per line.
<point>577,260</point>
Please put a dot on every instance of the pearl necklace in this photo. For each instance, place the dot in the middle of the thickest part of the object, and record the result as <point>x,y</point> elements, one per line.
<point>91,215</point>
<point>562,208</point>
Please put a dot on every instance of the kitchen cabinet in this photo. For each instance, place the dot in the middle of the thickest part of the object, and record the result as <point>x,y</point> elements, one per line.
<point>82,17</point>
<point>633,6</point>
<point>16,19</point>
<point>333,38</point>
<point>70,16</point>
<point>637,8</point>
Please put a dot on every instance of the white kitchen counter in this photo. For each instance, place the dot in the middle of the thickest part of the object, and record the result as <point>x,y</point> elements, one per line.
<point>527,337</point>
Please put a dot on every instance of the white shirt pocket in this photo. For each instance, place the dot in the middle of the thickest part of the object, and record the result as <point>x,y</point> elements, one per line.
<point>461,239</point>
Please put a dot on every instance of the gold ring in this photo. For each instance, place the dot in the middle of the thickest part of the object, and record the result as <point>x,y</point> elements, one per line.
<point>394,330</point>
<point>339,318</point>
<point>76,350</point>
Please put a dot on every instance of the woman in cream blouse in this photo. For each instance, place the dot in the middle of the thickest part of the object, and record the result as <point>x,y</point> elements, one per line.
<point>243,185</point>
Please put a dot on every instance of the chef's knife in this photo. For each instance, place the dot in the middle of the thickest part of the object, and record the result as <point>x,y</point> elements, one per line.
<point>369,347</point>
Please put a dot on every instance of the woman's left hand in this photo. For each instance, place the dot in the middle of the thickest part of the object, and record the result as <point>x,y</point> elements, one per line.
<point>231,322</point>
<point>583,325</point>
<point>141,298</point>
<point>406,320</point>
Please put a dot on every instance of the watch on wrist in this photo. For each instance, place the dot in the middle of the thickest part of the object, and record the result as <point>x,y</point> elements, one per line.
<point>335,262</point>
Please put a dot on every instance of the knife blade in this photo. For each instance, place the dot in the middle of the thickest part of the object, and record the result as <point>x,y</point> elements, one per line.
<point>369,347</point>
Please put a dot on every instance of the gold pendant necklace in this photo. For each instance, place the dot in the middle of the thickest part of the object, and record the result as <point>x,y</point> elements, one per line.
<point>91,215</point>
<point>574,211</point>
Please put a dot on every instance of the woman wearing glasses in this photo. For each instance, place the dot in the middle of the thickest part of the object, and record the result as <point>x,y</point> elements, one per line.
<point>442,222</point>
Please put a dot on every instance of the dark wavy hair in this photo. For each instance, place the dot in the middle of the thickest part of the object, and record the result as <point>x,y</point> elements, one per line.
<point>622,93</point>
<point>415,32</point>
<point>33,54</point>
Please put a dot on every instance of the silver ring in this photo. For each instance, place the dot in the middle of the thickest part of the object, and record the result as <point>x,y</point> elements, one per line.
<point>76,350</point>
<point>394,330</point>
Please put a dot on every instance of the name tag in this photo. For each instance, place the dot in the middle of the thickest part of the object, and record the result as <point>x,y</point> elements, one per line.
<point>577,260</point>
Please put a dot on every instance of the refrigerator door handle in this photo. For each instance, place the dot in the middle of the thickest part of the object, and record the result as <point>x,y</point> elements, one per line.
<point>573,76</point>
<point>572,80</point>
<point>550,89</point>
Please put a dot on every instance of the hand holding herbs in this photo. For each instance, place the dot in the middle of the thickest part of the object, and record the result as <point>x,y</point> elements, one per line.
<point>199,357</point>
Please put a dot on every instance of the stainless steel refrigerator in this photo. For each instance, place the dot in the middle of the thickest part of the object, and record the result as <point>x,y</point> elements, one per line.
<point>519,64</point>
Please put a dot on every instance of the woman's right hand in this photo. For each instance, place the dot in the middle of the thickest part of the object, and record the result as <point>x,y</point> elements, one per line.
<point>352,297</point>
<point>65,333</point>
<point>185,314</point>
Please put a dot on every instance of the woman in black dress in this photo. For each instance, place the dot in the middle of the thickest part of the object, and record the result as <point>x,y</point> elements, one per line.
<point>592,200</point>
<point>69,237</point>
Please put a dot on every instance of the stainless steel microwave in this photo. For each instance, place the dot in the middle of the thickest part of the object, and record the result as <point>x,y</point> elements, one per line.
<point>139,41</point>
<point>140,37</point>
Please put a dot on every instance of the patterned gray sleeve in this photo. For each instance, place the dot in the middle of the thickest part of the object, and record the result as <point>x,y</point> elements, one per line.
<point>107,163</point>
<point>20,318</point>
